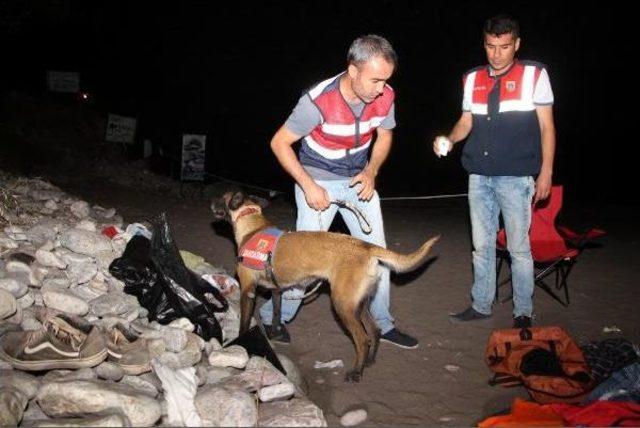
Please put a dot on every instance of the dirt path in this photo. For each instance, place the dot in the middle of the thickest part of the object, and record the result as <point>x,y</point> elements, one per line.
<point>413,387</point>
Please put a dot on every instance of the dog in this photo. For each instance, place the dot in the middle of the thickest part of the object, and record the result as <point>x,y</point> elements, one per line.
<point>348,264</point>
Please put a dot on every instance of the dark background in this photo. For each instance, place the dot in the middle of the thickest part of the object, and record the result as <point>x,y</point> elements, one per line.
<point>234,70</point>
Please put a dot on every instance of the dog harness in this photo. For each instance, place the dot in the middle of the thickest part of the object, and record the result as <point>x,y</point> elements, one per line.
<point>257,252</point>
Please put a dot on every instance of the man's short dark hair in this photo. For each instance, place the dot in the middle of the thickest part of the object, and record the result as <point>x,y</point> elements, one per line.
<point>502,24</point>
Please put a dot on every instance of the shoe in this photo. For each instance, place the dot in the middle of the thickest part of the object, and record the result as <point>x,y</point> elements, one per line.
<point>127,350</point>
<point>401,340</point>
<point>468,314</point>
<point>61,343</point>
<point>522,321</point>
<point>280,335</point>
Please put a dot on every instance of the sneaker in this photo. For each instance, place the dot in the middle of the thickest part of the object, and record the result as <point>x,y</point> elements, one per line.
<point>401,340</point>
<point>522,321</point>
<point>127,350</point>
<point>61,343</point>
<point>279,335</point>
<point>468,314</point>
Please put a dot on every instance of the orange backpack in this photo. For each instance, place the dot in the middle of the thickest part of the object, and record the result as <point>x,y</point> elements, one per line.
<point>545,360</point>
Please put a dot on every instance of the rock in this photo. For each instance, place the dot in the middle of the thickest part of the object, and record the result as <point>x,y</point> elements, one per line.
<point>56,283</point>
<point>353,418</point>
<point>233,356</point>
<point>212,345</point>
<point>84,242</point>
<point>114,420</point>
<point>33,413</point>
<point>80,209</point>
<point>281,391</point>
<point>257,374</point>
<point>183,324</point>
<point>69,375</point>
<point>293,374</point>
<point>47,258</point>
<point>140,385</point>
<point>109,371</point>
<point>80,398</point>
<point>175,340</point>
<point>12,405</point>
<point>217,374</point>
<point>87,224</point>
<point>292,413</point>
<point>27,300</point>
<point>23,382</point>
<point>13,286</point>
<point>227,407</point>
<point>65,301</point>
<point>8,304</point>
<point>51,205</point>
<point>113,304</point>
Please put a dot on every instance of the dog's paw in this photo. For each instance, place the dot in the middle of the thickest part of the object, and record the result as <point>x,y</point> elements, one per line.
<point>353,376</point>
<point>371,360</point>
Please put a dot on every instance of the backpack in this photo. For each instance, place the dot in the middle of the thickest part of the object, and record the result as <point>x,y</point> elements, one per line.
<point>545,360</point>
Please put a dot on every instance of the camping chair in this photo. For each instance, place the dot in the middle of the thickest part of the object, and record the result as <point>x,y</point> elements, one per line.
<point>554,249</point>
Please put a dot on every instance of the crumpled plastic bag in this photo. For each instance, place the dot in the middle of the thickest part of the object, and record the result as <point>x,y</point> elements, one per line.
<point>180,387</point>
<point>154,272</point>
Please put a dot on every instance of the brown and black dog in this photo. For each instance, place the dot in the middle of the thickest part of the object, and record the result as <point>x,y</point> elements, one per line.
<point>300,258</point>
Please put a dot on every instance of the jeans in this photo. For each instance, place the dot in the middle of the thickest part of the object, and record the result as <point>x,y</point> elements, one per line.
<point>488,197</point>
<point>310,220</point>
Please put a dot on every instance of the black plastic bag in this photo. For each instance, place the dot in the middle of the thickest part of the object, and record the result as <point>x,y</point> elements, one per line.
<point>155,273</point>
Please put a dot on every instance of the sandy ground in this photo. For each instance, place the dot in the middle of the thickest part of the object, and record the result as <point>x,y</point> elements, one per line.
<point>413,387</point>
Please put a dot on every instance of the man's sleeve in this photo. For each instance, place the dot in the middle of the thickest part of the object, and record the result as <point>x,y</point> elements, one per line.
<point>542,94</point>
<point>389,122</point>
<point>466,95</point>
<point>304,117</point>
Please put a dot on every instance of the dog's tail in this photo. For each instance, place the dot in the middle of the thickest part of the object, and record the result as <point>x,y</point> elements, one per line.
<point>404,262</point>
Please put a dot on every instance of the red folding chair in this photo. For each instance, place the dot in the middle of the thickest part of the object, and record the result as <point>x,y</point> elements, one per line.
<point>554,249</point>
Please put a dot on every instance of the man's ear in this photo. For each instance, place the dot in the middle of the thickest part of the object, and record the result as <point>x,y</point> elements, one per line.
<point>517,46</point>
<point>236,201</point>
<point>352,71</point>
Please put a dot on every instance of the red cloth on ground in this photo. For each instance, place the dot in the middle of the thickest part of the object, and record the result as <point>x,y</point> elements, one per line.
<point>600,414</point>
<point>525,413</point>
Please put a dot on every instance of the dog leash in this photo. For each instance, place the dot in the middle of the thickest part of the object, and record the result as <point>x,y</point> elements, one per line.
<point>362,220</point>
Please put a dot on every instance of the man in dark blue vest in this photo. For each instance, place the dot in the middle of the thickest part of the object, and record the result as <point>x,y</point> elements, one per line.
<point>507,115</point>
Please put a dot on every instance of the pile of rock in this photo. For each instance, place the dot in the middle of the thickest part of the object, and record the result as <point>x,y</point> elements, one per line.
<point>54,265</point>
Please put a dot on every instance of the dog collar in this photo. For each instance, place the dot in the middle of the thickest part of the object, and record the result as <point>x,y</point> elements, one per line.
<point>246,211</point>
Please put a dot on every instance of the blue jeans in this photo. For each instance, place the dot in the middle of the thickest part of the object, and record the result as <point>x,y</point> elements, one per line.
<point>488,197</point>
<point>310,220</point>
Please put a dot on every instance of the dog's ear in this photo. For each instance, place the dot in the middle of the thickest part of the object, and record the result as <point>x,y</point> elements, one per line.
<point>236,201</point>
<point>219,209</point>
<point>261,202</point>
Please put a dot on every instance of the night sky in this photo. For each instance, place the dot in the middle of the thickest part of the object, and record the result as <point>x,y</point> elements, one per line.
<point>234,70</point>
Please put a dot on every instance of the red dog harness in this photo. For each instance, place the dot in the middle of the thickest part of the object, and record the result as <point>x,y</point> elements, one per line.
<point>257,252</point>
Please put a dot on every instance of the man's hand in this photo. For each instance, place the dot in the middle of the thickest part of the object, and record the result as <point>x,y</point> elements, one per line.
<point>317,197</point>
<point>367,186</point>
<point>543,187</point>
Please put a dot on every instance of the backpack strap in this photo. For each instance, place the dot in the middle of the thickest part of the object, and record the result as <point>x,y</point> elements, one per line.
<point>505,380</point>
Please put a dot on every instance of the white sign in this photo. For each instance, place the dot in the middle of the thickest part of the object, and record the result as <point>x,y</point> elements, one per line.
<point>193,152</point>
<point>120,129</point>
<point>63,81</point>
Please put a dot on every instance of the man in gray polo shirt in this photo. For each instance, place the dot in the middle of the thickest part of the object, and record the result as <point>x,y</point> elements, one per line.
<point>345,123</point>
